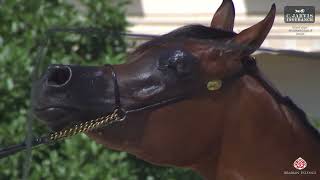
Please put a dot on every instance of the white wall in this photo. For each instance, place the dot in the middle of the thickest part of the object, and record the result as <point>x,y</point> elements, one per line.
<point>162,16</point>
<point>150,7</point>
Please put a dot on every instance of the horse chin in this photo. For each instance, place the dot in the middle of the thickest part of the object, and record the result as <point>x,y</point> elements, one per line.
<point>57,117</point>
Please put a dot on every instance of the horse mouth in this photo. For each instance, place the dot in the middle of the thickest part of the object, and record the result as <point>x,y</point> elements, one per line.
<point>56,116</point>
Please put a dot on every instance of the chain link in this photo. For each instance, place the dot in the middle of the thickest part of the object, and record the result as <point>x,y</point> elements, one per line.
<point>87,126</point>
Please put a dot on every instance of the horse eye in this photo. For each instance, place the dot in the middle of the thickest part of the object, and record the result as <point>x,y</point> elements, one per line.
<point>179,61</point>
<point>182,62</point>
<point>176,58</point>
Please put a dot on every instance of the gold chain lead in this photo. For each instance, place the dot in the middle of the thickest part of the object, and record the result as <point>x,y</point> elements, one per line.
<point>86,126</point>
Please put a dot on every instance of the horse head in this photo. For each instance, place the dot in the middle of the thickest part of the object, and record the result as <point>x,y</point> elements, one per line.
<point>181,63</point>
<point>180,88</point>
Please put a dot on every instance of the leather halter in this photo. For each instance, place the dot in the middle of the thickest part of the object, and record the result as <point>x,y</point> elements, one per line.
<point>116,90</point>
<point>247,66</point>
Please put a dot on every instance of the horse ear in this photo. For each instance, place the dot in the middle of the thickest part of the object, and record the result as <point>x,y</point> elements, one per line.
<point>224,16</point>
<point>253,37</point>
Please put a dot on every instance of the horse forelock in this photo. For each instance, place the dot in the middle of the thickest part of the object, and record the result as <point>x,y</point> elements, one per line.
<point>194,31</point>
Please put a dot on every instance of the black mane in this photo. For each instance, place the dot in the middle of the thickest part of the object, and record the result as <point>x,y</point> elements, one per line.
<point>199,32</point>
<point>302,117</point>
<point>190,31</point>
<point>287,101</point>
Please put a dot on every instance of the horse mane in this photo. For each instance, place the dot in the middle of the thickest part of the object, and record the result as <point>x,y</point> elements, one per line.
<point>301,116</point>
<point>195,31</point>
<point>288,102</point>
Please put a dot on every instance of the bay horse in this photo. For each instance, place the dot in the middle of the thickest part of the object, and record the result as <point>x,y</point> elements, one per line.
<point>193,105</point>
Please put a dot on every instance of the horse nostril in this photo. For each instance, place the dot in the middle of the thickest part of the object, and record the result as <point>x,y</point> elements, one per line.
<point>58,75</point>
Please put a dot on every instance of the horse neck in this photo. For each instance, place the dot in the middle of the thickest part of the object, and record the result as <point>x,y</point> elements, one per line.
<point>261,137</point>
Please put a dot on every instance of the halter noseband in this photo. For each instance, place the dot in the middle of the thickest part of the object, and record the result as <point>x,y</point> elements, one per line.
<point>212,85</point>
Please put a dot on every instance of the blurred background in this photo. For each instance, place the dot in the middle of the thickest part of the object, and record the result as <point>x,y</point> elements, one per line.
<point>23,26</point>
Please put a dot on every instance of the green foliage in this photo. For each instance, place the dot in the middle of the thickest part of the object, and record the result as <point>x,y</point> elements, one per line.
<point>23,24</point>
<point>315,122</point>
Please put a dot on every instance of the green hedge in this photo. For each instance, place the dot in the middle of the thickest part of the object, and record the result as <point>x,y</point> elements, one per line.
<point>23,23</point>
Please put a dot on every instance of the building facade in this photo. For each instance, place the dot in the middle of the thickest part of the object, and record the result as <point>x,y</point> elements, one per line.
<point>162,16</point>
